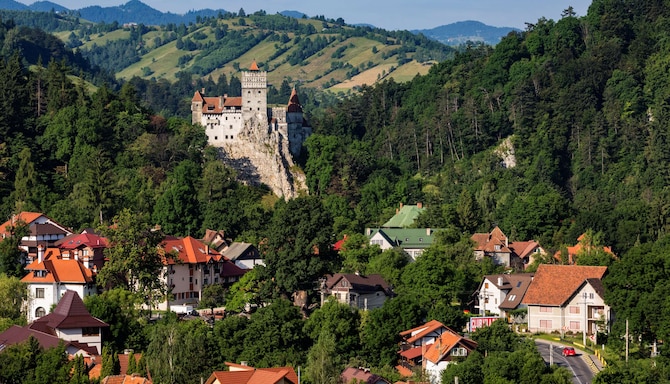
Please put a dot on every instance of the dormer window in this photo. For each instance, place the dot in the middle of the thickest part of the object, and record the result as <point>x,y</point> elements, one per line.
<point>496,247</point>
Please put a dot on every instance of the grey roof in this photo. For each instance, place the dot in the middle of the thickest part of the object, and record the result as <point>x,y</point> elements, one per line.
<point>238,251</point>
<point>518,285</point>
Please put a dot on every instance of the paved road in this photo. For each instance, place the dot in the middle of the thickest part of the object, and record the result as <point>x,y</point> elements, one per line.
<point>577,365</point>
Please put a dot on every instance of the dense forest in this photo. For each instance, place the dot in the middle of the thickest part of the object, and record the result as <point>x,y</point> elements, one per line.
<point>580,103</point>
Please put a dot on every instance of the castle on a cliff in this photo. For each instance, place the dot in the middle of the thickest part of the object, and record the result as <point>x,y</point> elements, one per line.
<point>229,120</point>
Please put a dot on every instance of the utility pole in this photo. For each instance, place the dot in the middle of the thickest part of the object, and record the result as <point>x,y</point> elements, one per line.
<point>626,340</point>
<point>551,354</point>
<point>586,317</point>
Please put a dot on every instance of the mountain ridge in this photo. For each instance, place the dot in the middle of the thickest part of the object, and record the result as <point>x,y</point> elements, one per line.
<point>135,11</point>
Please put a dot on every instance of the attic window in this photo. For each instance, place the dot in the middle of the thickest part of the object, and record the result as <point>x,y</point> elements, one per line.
<point>518,284</point>
<point>420,239</point>
<point>210,107</point>
<point>496,247</point>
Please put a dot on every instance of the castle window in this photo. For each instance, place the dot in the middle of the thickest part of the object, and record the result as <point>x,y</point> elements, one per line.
<point>231,126</point>
<point>231,137</point>
<point>248,92</point>
<point>216,137</point>
<point>226,137</point>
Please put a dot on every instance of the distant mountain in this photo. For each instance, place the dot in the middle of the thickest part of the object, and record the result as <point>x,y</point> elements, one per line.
<point>463,31</point>
<point>46,6</point>
<point>13,5</point>
<point>134,11</point>
<point>294,14</point>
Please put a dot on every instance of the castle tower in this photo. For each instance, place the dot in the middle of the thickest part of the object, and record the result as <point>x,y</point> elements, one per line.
<point>196,107</point>
<point>254,93</point>
<point>298,128</point>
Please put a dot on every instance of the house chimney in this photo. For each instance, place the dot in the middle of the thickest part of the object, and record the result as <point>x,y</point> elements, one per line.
<point>87,262</point>
<point>202,90</point>
<point>428,231</point>
<point>40,253</point>
<point>76,255</point>
<point>400,205</point>
<point>243,363</point>
<point>500,280</point>
<point>419,205</point>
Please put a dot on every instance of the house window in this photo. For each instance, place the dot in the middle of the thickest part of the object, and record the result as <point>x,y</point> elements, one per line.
<point>591,295</point>
<point>496,247</point>
<point>90,331</point>
<point>545,324</point>
<point>546,309</point>
<point>39,293</point>
<point>459,351</point>
<point>574,325</point>
<point>574,309</point>
<point>486,285</point>
<point>39,312</point>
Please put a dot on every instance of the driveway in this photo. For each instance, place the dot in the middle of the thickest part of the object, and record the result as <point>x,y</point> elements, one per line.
<point>577,365</point>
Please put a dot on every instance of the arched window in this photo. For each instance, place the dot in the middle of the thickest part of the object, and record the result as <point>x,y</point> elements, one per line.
<point>39,312</point>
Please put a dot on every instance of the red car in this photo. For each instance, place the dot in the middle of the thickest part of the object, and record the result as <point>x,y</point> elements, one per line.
<point>568,351</point>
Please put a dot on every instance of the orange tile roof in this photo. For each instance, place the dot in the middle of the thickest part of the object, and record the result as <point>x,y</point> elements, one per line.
<point>253,66</point>
<point>243,374</point>
<point>442,346</point>
<point>59,271</point>
<point>553,285</point>
<point>26,217</point>
<point>487,241</point>
<point>422,330</point>
<point>575,249</point>
<point>190,250</point>
<point>404,371</point>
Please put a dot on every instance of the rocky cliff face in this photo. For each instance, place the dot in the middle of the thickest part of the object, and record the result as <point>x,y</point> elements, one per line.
<point>263,158</point>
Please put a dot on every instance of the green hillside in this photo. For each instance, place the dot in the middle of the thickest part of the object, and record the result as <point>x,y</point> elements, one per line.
<point>315,53</point>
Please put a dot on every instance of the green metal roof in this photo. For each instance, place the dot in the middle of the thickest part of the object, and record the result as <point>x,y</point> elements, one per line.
<point>407,237</point>
<point>405,217</point>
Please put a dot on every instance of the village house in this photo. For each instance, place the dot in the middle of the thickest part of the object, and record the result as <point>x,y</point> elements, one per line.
<point>500,294</point>
<point>244,374</point>
<point>52,275</point>
<point>244,255</point>
<point>360,291</point>
<point>517,255</point>
<point>42,231</point>
<point>582,247</point>
<point>567,298</point>
<point>192,266</point>
<point>396,232</point>
<point>361,376</point>
<point>430,348</point>
<point>70,321</point>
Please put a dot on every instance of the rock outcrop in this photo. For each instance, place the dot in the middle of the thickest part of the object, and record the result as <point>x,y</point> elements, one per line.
<point>264,158</point>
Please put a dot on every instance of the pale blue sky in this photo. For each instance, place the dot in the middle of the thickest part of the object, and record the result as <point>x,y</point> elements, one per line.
<point>387,14</point>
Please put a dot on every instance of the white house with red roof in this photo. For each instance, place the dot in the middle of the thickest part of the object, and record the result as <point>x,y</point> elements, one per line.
<point>567,298</point>
<point>42,231</point>
<point>194,266</point>
<point>430,347</point>
<point>53,274</point>
<point>360,291</point>
<point>496,245</point>
<point>70,321</point>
